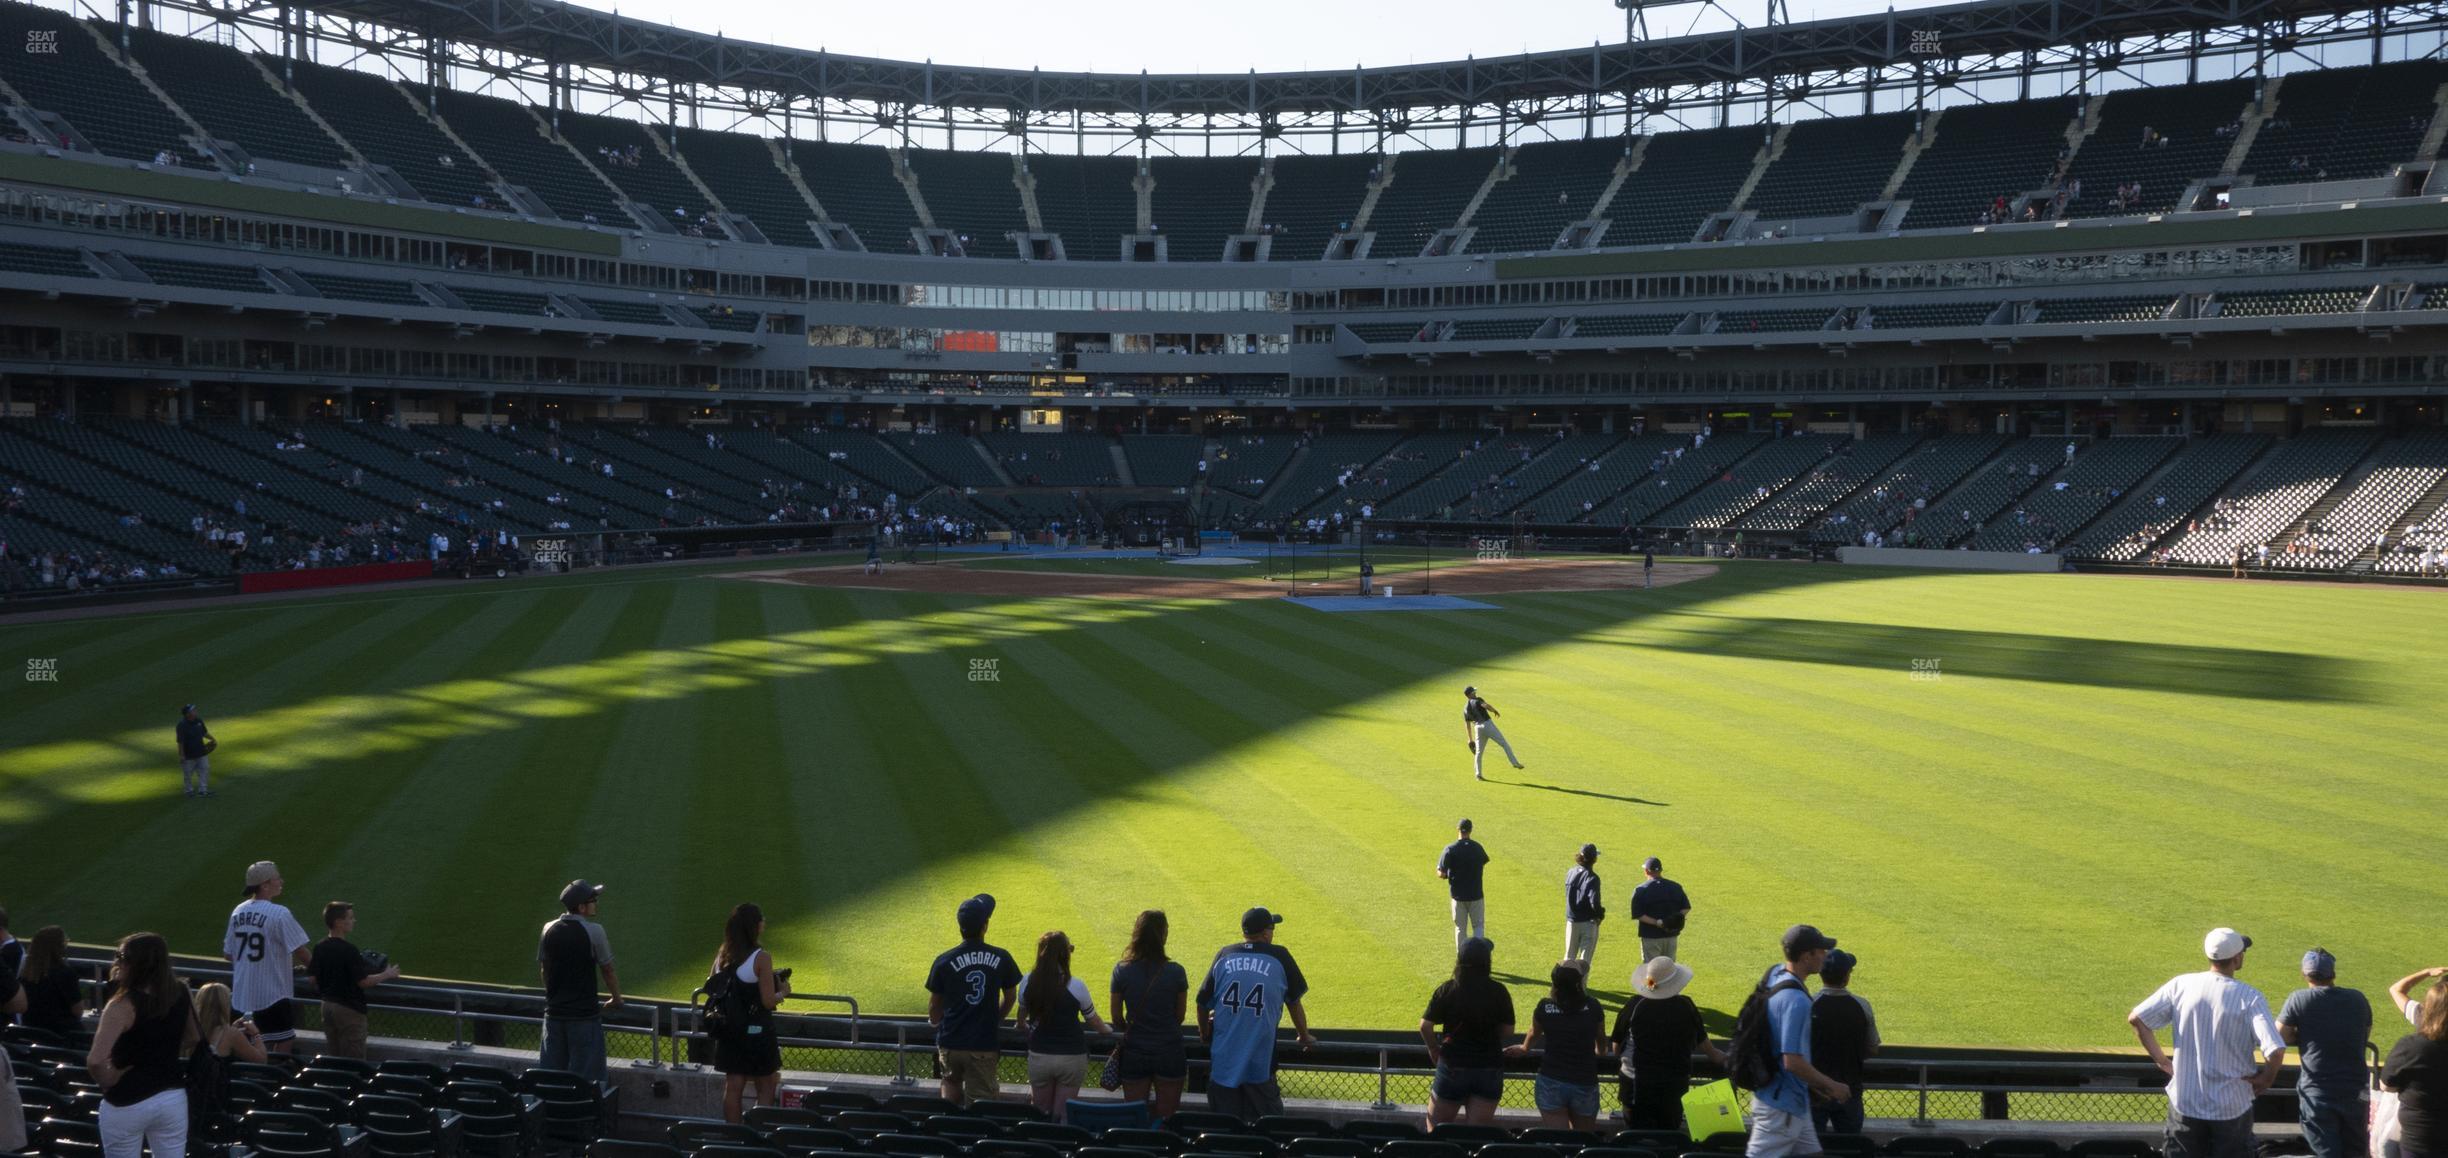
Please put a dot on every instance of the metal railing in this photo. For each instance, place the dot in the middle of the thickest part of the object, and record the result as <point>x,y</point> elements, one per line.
<point>659,1034</point>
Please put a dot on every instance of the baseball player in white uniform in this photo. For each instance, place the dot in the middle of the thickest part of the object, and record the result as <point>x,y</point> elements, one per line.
<point>265,944</point>
<point>1479,724</point>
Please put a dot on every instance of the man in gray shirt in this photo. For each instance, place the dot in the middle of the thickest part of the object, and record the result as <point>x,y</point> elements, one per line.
<point>2330,1024</point>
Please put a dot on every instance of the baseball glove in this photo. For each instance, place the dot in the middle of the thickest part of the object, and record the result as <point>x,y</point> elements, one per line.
<point>210,744</point>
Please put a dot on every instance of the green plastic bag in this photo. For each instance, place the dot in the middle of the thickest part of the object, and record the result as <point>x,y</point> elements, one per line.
<point>1713,1109</point>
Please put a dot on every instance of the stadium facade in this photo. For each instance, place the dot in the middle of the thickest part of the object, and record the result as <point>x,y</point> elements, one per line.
<point>1963,232</point>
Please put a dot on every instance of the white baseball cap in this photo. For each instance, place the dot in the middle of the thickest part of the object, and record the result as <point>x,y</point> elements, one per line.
<point>2223,943</point>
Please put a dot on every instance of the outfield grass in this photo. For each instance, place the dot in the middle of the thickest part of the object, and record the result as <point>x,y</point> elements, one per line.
<point>2019,849</point>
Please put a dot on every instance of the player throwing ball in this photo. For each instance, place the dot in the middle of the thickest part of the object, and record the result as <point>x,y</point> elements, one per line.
<point>1479,726</point>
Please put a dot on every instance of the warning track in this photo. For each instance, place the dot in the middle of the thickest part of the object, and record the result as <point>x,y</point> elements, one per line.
<point>1510,577</point>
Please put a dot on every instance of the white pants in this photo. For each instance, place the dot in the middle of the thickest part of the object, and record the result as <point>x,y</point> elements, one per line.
<point>1470,920</point>
<point>159,1121</point>
<point>1776,1134</point>
<point>1656,947</point>
<point>1580,940</point>
<point>1488,733</point>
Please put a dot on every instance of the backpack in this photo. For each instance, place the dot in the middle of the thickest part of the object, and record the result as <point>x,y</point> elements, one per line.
<point>1753,1060</point>
<point>728,1007</point>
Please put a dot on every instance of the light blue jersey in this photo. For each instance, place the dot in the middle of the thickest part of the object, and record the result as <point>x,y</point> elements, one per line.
<point>1245,992</point>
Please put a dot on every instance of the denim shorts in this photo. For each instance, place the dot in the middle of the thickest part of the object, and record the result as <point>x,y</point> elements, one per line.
<point>1454,1084</point>
<point>1553,1095</point>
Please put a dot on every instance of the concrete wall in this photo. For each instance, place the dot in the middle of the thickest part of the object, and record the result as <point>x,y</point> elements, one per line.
<point>1950,560</point>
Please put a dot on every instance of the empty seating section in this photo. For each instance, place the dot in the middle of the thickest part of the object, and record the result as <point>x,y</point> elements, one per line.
<point>1931,315</point>
<point>1088,202</point>
<point>1164,460</point>
<point>373,489</point>
<point>740,169</point>
<point>1197,202</point>
<point>1682,179</point>
<point>1311,196</point>
<point>628,156</point>
<point>1393,333</point>
<point>1722,500</point>
<point>1496,329</point>
<point>1313,478</point>
<point>1060,460</point>
<point>2098,476</point>
<point>1471,483</point>
<point>1981,153</point>
<point>1771,321</point>
<point>770,455</point>
<point>495,301</point>
<point>2188,142</point>
<point>657,466</point>
<point>45,260</point>
<point>108,107</point>
<point>372,115</point>
<point>2345,123</point>
<point>2282,303</point>
<point>2124,534</point>
<point>1553,184</point>
<point>1392,473</point>
<point>973,195</point>
<point>226,94</point>
<point>1831,166</point>
<point>867,456</point>
<point>632,313</point>
<point>1955,515</point>
<point>364,289</point>
<point>1589,486</point>
<point>1842,472</point>
<point>527,467</point>
<point>510,138</point>
<point>194,492</point>
<point>1429,192</point>
<point>309,483</point>
<point>857,187</point>
<point>2417,544</point>
<point>1627,326</point>
<point>2402,472</point>
<point>245,279</point>
<point>1553,461</point>
<point>77,496</point>
<point>2268,502</point>
<point>1890,505</point>
<point>2086,310</point>
<point>445,481</point>
<point>1246,464</point>
<point>725,318</point>
<point>1684,468</point>
<point>947,457</point>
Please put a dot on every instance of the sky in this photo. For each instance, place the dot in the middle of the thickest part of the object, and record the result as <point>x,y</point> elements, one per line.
<point>1125,36</point>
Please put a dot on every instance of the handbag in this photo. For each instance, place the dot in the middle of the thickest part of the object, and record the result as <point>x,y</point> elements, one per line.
<point>1111,1079</point>
<point>2385,1133</point>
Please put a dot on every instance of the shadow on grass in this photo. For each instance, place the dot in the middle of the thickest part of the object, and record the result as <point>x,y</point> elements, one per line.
<point>2241,673</point>
<point>1581,792</point>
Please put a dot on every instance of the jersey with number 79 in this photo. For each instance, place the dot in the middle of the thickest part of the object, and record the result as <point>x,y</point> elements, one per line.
<point>1245,992</point>
<point>261,943</point>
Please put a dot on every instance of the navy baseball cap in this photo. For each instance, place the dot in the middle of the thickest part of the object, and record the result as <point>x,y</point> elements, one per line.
<point>1259,919</point>
<point>1803,938</point>
<point>573,894</point>
<point>1839,963</point>
<point>1471,690</point>
<point>1590,851</point>
<point>1653,865</point>
<point>2319,963</point>
<point>976,910</point>
<point>1466,827</point>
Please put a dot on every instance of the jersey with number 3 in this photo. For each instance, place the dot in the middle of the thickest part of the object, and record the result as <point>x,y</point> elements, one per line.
<point>1245,992</point>
<point>262,940</point>
<point>970,978</point>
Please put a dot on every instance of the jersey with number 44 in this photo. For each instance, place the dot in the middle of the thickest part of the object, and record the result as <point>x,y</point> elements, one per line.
<point>261,944</point>
<point>1245,992</point>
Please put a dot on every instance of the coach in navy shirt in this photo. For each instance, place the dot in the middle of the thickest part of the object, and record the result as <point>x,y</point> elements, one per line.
<point>969,992</point>
<point>1658,908</point>
<point>1463,865</point>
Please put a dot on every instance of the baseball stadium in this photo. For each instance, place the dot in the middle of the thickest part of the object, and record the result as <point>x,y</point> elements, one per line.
<point>1945,508</point>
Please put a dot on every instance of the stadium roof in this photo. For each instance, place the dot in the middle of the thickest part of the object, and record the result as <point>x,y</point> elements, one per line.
<point>573,36</point>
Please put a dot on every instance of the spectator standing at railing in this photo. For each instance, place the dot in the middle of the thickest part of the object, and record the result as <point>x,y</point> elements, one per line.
<point>1655,1034</point>
<point>2213,1080</point>
<point>1844,1034</point>
<point>1250,986</point>
<point>1476,1011</point>
<point>572,953</point>
<point>2330,1024</point>
<point>2401,995</point>
<point>1053,1004</point>
<point>1150,996</point>
<point>753,1054</point>
<point>136,1053</point>
<point>264,945</point>
<point>1572,1028</point>
<point>970,990</point>
<point>342,973</point>
<point>2417,1069</point>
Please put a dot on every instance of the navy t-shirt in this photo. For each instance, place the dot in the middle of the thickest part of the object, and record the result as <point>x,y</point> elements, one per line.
<point>2331,1024</point>
<point>971,978</point>
<point>1569,1041</point>
<point>1157,996</point>
<point>1464,865</point>
<point>1664,900</point>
